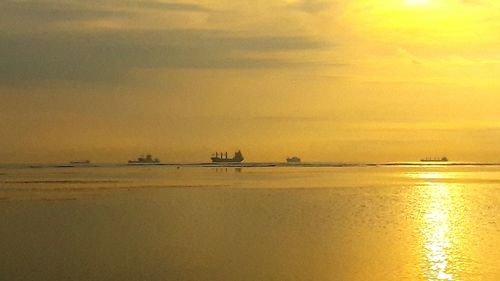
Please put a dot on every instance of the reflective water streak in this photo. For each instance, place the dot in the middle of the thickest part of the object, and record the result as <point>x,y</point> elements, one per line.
<point>441,227</point>
<point>276,224</point>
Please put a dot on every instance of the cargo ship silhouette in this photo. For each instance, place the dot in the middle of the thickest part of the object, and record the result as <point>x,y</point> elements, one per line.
<point>293,160</point>
<point>82,162</point>
<point>222,158</point>
<point>145,160</point>
<point>442,159</point>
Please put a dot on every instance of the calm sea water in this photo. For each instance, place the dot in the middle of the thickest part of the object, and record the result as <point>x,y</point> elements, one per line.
<point>255,224</point>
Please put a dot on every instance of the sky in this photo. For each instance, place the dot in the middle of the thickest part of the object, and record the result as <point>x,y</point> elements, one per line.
<point>326,80</point>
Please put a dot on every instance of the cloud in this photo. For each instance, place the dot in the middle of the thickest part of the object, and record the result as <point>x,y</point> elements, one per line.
<point>110,55</point>
<point>35,46</point>
<point>171,6</point>
<point>48,11</point>
<point>312,6</point>
<point>475,2</point>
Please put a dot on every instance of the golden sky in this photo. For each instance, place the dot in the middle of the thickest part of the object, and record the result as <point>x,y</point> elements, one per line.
<point>339,80</point>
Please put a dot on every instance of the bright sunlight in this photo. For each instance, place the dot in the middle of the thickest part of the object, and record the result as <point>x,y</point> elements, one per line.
<point>418,2</point>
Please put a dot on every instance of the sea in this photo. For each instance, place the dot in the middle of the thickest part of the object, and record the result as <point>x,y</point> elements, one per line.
<point>252,222</point>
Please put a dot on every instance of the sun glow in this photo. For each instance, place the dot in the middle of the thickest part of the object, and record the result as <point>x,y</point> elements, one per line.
<point>418,2</point>
<point>424,23</point>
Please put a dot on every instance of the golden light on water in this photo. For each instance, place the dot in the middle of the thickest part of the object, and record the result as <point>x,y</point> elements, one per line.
<point>436,233</point>
<point>431,175</point>
<point>441,226</point>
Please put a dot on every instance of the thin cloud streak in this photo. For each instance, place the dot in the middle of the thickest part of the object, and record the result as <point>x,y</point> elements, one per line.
<point>111,54</point>
<point>312,6</point>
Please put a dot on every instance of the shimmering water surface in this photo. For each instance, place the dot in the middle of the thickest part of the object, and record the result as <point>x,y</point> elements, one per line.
<point>251,223</point>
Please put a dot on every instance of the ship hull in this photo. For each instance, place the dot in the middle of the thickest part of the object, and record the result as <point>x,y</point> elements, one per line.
<point>219,160</point>
<point>79,162</point>
<point>142,163</point>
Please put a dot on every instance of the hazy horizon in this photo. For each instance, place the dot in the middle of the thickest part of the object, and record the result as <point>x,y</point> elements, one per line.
<point>363,81</point>
<point>257,162</point>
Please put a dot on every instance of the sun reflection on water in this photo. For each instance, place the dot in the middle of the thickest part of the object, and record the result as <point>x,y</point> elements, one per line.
<point>436,233</point>
<point>440,227</point>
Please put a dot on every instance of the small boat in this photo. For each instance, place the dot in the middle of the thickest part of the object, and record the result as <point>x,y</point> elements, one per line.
<point>84,162</point>
<point>293,160</point>
<point>144,160</point>
<point>64,166</point>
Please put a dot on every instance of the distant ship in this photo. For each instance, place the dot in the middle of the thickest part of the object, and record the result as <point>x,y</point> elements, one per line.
<point>222,158</point>
<point>293,160</point>
<point>84,162</point>
<point>442,159</point>
<point>145,160</point>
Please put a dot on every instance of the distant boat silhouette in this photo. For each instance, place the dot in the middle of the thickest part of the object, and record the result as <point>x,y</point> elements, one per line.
<point>293,160</point>
<point>222,158</point>
<point>145,160</point>
<point>80,162</point>
<point>429,159</point>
